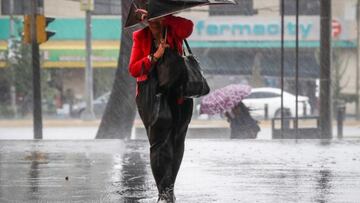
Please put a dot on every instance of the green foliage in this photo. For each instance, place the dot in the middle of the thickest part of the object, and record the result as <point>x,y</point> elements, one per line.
<point>20,69</point>
<point>18,72</point>
<point>340,66</point>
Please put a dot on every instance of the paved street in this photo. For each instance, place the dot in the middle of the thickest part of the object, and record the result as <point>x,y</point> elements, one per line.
<point>213,170</point>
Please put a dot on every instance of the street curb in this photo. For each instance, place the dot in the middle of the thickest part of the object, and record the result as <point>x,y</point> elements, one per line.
<point>212,124</point>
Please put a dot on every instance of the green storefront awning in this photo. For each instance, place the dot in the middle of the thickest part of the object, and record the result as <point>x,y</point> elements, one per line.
<point>71,28</point>
<point>66,47</point>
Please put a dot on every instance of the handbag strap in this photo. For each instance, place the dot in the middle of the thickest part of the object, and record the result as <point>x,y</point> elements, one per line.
<point>164,36</point>
<point>187,47</point>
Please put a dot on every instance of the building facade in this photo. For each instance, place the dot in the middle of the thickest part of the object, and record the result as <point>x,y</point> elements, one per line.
<point>235,43</point>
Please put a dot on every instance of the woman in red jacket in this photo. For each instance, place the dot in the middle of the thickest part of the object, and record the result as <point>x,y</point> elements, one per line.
<point>166,141</point>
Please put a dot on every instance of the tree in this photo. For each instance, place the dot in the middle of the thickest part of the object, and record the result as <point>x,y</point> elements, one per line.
<point>340,82</point>
<point>19,74</point>
<point>19,71</point>
<point>119,115</point>
<point>340,67</point>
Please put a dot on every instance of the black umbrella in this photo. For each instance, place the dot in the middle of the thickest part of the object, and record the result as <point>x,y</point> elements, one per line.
<point>133,19</point>
<point>160,8</point>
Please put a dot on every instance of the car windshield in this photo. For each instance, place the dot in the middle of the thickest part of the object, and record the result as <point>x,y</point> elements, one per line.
<point>256,95</point>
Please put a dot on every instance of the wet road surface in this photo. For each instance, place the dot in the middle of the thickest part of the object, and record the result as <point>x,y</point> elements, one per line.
<point>213,171</point>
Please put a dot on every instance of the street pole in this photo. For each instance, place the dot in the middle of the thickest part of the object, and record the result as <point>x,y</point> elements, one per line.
<point>11,55</point>
<point>325,70</point>
<point>36,73</point>
<point>296,124</point>
<point>358,62</point>
<point>89,112</point>
<point>282,64</point>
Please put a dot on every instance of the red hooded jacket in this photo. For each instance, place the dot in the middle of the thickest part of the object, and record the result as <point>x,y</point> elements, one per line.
<point>178,29</point>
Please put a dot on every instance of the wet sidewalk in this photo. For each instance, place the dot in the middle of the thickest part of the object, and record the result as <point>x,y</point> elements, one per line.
<point>218,170</point>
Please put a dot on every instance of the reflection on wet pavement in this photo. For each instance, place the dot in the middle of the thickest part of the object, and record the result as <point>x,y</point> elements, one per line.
<point>212,171</point>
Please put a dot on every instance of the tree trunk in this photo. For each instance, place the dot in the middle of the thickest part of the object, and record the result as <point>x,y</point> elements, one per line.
<point>119,114</point>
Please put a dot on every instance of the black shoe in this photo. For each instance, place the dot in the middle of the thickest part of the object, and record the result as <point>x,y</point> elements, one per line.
<point>164,198</point>
<point>172,193</point>
<point>167,196</point>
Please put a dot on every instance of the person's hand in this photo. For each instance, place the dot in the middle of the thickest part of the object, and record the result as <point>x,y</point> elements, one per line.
<point>161,49</point>
<point>143,13</point>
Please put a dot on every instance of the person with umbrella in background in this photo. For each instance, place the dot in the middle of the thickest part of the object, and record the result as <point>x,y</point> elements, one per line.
<point>227,100</point>
<point>242,124</point>
<point>166,139</point>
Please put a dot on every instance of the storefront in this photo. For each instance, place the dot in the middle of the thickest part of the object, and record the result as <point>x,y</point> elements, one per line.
<point>248,46</point>
<point>227,47</point>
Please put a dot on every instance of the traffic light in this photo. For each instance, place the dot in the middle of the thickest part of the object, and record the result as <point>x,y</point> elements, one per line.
<point>42,34</point>
<point>26,30</point>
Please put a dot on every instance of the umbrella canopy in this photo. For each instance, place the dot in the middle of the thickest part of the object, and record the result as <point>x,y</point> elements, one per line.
<point>224,99</point>
<point>133,19</point>
<point>160,8</point>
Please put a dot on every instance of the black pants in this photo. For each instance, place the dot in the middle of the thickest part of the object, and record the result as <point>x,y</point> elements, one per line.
<point>167,141</point>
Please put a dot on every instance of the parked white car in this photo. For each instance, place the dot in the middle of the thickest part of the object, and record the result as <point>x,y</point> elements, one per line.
<point>260,97</point>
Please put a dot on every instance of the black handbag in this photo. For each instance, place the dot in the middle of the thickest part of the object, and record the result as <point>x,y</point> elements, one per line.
<point>195,84</point>
<point>175,71</point>
<point>152,105</point>
<point>170,68</point>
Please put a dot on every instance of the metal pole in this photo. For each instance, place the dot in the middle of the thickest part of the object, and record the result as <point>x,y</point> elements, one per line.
<point>297,72</point>
<point>89,113</point>
<point>358,63</point>
<point>12,30</point>
<point>304,109</point>
<point>11,55</point>
<point>325,70</point>
<point>36,74</point>
<point>340,115</point>
<point>282,65</point>
<point>266,112</point>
